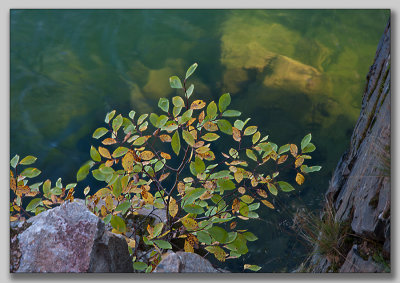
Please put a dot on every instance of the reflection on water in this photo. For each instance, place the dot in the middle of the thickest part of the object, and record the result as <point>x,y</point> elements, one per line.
<point>291,71</point>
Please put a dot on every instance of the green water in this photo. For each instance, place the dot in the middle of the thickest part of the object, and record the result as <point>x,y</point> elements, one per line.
<point>291,71</point>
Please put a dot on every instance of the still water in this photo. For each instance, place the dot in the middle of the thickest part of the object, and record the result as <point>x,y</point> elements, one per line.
<point>291,71</point>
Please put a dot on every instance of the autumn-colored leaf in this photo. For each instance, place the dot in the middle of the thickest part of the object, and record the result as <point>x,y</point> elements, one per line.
<point>299,161</point>
<point>190,223</point>
<point>210,126</point>
<point>165,155</point>
<point>254,182</point>
<point>242,190</point>
<point>188,247</point>
<point>128,162</point>
<point>146,155</point>
<point>218,252</point>
<point>210,137</point>
<point>262,193</point>
<point>165,138</point>
<point>193,241</point>
<point>282,159</point>
<point>104,152</point>
<point>109,141</point>
<point>181,188</point>
<point>299,179</point>
<point>13,183</point>
<point>201,117</point>
<point>209,155</point>
<point>233,225</point>
<point>235,205</point>
<point>147,197</point>
<point>163,176</point>
<point>173,207</point>
<point>109,163</point>
<point>236,134</point>
<point>293,150</point>
<point>267,203</point>
<point>197,104</point>
<point>238,176</point>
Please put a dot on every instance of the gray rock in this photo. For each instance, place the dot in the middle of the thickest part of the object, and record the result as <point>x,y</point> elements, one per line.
<point>69,238</point>
<point>355,263</point>
<point>184,262</point>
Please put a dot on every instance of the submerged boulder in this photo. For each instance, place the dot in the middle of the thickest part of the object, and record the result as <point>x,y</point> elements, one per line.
<point>69,238</point>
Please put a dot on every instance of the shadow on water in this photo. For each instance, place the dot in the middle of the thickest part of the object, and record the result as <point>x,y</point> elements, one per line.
<point>291,71</point>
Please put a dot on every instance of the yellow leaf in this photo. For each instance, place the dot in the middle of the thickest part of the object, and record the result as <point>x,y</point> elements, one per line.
<point>109,163</point>
<point>131,243</point>
<point>282,159</point>
<point>165,138</point>
<point>173,206</point>
<point>242,190</point>
<point>150,229</point>
<point>109,141</point>
<point>210,126</point>
<point>236,134</point>
<point>146,155</point>
<point>267,203</point>
<point>193,241</point>
<point>13,218</point>
<point>128,161</point>
<point>299,161</point>
<point>181,188</point>
<point>293,150</point>
<point>299,179</point>
<point>233,225</point>
<point>104,152</point>
<point>103,211</point>
<point>188,247</point>
<point>238,176</point>
<point>202,149</point>
<point>163,176</point>
<point>197,104</point>
<point>254,182</point>
<point>201,116</point>
<point>190,223</point>
<point>109,203</point>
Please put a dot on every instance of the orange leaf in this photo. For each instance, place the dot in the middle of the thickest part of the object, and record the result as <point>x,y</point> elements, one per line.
<point>173,207</point>
<point>163,176</point>
<point>262,193</point>
<point>210,126</point>
<point>109,163</point>
<point>109,141</point>
<point>201,116</point>
<point>197,104</point>
<point>293,150</point>
<point>104,152</point>
<point>267,203</point>
<point>282,159</point>
<point>299,179</point>
<point>233,225</point>
<point>165,138</point>
<point>146,155</point>
<point>299,161</point>
<point>235,205</point>
<point>236,134</point>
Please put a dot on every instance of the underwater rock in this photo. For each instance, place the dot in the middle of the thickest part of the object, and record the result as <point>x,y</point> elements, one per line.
<point>184,262</point>
<point>69,238</point>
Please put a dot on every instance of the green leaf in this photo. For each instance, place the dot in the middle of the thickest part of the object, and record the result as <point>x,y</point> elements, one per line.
<point>98,133</point>
<point>286,187</point>
<point>163,103</point>
<point>225,184</point>
<point>188,137</point>
<point>139,141</point>
<point>225,126</point>
<point>117,122</point>
<point>94,154</point>
<point>109,116</point>
<point>163,244</point>
<point>83,171</point>
<point>46,187</point>
<point>231,113</point>
<point>120,151</point>
<point>138,265</point>
<point>153,119</point>
<point>186,116</point>
<point>98,175</point>
<point>30,172</point>
<point>272,189</point>
<point>309,148</point>
<point>256,137</point>
<point>210,137</point>
<point>193,208</point>
<point>250,130</point>
<point>177,101</point>
<point>117,187</point>
<point>192,195</point>
<point>175,82</point>
<point>189,91</point>
<point>132,114</point>
<point>191,70</point>
<point>252,267</point>
<point>238,125</point>
<point>250,236</point>
<point>250,154</point>
<point>14,161</point>
<point>70,186</point>
<point>306,169</point>
<point>218,233</point>
<point>199,165</point>
<point>176,143</point>
<point>244,209</point>
<point>33,204</point>
<point>212,110</point>
<point>118,223</point>
<point>28,160</point>
<point>142,118</point>
<point>224,102</point>
<point>204,237</point>
<point>123,207</point>
<point>284,148</point>
<point>59,184</point>
<point>305,141</point>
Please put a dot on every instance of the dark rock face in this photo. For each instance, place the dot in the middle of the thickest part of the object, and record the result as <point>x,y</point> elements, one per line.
<point>184,262</point>
<point>70,238</point>
<point>360,186</point>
